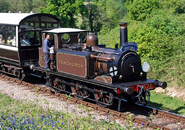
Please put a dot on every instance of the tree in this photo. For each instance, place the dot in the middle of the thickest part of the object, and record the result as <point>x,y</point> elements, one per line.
<point>65,10</point>
<point>37,4</point>
<point>141,9</point>
<point>25,6</point>
<point>95,19</point>
<point>115,10</point>
<point>177,6</point>
<point>4,6</point>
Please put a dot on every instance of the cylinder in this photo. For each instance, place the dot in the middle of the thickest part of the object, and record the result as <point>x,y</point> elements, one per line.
<point>123,33</point>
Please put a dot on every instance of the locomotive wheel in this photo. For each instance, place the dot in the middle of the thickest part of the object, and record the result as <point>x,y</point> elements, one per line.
<point>59,86</point>
<point>79,93</point>
<point>104,100</point>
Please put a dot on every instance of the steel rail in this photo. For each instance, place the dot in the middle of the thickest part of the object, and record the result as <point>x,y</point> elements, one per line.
<point>174,118</point>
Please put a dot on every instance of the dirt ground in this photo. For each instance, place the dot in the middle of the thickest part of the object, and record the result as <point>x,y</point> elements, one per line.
<point>173,91</point>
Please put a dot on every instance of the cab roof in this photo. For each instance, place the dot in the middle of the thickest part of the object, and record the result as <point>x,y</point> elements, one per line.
<point>17,18</point>
<point>65,30</point>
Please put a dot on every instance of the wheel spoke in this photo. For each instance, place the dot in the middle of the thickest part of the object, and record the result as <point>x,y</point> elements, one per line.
<point>103,99</point>
<point>107,100</point>
<point>80,93</point>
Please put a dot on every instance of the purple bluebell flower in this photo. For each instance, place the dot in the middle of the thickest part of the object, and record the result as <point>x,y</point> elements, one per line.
<point>9,117</point>
<point>142,123</point>
<point>23,123</point>
<point>62,117</point>
<point>51,122</point>
<point>133,125</point>
<point>9,128</point>
<point>42,116</point>
<point>22,117</point>
<point>14,120</point>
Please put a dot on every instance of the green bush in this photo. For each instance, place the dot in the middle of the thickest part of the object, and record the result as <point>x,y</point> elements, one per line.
<point>176,6</point>
<point>166,21</point>
<point>109,37</point>
<point>141,9</point>
<point>152,43</point>
<point>160,36</point>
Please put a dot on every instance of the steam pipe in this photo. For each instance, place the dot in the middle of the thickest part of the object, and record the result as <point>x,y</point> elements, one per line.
<point>106,58</point>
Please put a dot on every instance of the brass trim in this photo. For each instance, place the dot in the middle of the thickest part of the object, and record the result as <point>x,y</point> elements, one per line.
<point>93,56</point>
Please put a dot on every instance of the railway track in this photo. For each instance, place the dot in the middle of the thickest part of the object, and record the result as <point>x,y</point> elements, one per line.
<point>148,116</point>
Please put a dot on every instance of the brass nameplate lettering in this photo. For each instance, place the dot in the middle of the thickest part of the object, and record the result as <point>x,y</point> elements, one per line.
<point>72,64</point>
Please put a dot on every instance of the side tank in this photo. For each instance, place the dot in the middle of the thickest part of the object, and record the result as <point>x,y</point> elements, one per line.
<point>77,63</point>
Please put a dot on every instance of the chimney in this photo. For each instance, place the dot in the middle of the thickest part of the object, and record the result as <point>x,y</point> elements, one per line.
<point>123,33</point>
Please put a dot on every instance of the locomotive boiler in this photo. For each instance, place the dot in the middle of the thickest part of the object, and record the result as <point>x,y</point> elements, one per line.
<point>79,64</point>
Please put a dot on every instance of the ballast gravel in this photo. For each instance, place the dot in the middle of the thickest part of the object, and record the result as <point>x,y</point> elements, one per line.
<point>27,96</point>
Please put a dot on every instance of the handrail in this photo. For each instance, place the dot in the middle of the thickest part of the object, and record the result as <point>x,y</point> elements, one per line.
<point>101,57</point>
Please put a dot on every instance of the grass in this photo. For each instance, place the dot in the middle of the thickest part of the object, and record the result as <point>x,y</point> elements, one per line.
<point>170,70</point>
<point>15,114</point>
<point>158,100</point>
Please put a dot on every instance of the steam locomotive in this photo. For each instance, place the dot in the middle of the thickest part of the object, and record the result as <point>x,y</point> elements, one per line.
<point>78,63</point>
